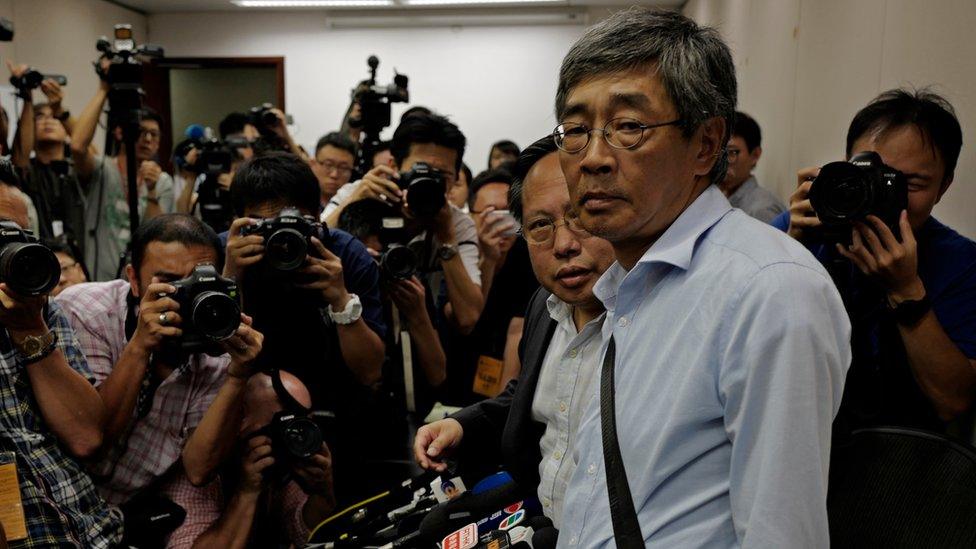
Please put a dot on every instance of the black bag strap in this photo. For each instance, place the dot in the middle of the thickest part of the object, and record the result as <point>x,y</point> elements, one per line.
<point>626,528</point>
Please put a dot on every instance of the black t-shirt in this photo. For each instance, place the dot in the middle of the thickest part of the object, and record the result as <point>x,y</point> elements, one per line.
<point>508,298</point>
<point>58,197</point>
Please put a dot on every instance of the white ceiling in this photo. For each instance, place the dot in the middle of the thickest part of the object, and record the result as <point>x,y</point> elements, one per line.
<point>163,6</point>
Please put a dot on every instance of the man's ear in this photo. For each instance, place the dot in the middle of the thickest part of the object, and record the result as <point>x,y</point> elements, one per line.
<point>943,188</point>
<point>133,277</point>
<point>391,162</point>
<point>756,153</point>
<point>710,138</point>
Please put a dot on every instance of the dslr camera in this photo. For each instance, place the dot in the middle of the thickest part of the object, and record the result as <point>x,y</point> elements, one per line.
<point>845,192</point>
<point>293,436</point>
<point>287,238</point>
<point>425,190</point>
<point>370,218</point>
<point>28,267</point>
<point>31,79</point>
<point>210,307</point>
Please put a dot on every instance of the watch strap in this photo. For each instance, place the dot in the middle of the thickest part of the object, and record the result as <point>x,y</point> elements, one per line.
<point>351,313</point>
<point>48,342</point>
<point>910,312</point>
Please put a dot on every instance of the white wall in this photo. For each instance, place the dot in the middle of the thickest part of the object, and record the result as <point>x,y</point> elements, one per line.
<point>806,66</point>
<point>493,82</point>
<point>58,36</point>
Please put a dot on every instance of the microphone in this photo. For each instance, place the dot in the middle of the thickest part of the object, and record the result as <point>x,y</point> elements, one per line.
<point>194,131</point>
<point>545,538</point>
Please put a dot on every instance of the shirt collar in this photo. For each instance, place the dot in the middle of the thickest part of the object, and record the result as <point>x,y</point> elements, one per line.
<point>562,313</point>
<point>746,186</point>
<point>675,247</point>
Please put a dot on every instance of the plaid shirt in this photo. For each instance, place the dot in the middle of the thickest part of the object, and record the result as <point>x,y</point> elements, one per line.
<point>153,443</point>
<point>61,506</point>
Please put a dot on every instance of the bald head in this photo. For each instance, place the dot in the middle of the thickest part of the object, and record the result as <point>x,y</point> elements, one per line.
<point>13,206</point>
<point>261,402</point>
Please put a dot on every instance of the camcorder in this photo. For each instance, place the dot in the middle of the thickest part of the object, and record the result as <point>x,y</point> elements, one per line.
<point>375,103</point>
<point>124,74</point>
<point>31,79</point>
<point>28,267</point>
<point>214,159</point>
<point>262,118</point>
<point>288,238</point>
<point>845,192</point>
<point>425,189</point>
<point>210,309</point>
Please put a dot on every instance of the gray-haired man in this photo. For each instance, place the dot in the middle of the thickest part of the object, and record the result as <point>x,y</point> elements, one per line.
<point>727,343</point>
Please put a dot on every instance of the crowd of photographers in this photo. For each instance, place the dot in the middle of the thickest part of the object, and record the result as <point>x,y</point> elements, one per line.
<point>261,350</point>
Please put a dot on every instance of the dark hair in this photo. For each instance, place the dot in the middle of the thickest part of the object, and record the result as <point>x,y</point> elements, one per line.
<point>745,126</point>
<point>426,128</point>
<point>467,174</point>
<point>181,228</point>
<point>364,218</point>
<point>529,156</point>
<point>380,147</point>
<point>693,63</point>
<point>499,175</point>
<point>233,123</point>
<point>506,146</point>
<point>275,177</point>
<point>415,110</point>
<point>62,245</point>
<point>337,140</point>
<point>149,113</point>
<point>928,111</point>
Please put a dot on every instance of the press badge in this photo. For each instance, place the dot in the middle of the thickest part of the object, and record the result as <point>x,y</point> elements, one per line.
<point>488,377</point>
<point>11,507</point>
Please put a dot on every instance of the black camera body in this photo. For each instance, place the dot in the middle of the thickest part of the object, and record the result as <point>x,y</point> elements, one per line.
<point>31,79</point>
<point>426,191</point>
<point>845,192</point>
<point>287,238</point>
<point>375,100</point>
<point>28,267</point>
<point>210,308</point>
<point>294,436</point>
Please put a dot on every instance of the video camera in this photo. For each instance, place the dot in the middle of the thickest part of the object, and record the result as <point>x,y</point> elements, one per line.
<point>287,238</point>
<point>31,79</point>
<point>845,192</point>
<point>28,267</point>
<point>210,308</point>
<point>214,159</point>
<point>375,108</point>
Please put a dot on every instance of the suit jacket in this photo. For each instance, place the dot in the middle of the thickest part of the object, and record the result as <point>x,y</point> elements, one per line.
<point>501,430</point>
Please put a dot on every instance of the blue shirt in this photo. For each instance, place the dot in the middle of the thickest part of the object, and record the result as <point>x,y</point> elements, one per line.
<point>732,348</point>
<point>882,388</point>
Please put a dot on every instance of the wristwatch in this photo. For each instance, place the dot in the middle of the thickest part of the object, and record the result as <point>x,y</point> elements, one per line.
<point>352,312</point>
<point>447,252</point>
<point>910,312</point>
<point>35,348</point>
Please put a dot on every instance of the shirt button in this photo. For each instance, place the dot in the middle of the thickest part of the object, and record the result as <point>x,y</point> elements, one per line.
<point>547,502</point>
<point>562,407</point>
<point>558,455</point>
<point>573,540</point>
<point>591,470</point>
<point>623,322</point>
<point>573,353</point>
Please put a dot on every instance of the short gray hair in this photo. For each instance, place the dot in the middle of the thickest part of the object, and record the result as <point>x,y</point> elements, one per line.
<point>694,65</point>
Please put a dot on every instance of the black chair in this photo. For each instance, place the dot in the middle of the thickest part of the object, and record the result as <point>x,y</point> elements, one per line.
<point>896,487</point>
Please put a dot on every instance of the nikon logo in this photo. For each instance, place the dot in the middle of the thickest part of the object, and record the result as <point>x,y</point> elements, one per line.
<point>289,220</point>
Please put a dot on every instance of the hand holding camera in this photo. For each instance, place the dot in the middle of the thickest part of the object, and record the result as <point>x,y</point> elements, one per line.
<point>243,346</point>
<point>149,173</point>
<point>379,183</point>
<point>54,94</point>
<point>496,233</point>
<point>323,270</point>
<point>20,313</point>
<point>877,253</point>
<point>314,474</point>
<point>802,216</point>
<point>158,317</point>
<point>243,250</point>
<point>257,459</point>
<point>409,296</point>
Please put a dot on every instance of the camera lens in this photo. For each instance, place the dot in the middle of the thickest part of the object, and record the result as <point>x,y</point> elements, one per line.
<point>841,193</point>
<point>425,197</point>
<point>29,269</point>
<point>215,315</point>
<point>302,437</point>
<point>398,262</point>
<point>286,249</point>
<point>268,119</point>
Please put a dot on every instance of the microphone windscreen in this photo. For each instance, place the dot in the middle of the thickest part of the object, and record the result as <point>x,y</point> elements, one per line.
<point>500,478</point>
<point>545,538</point>
<point>194,131</point>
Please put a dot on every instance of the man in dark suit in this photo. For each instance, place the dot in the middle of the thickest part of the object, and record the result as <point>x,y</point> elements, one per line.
<point>530,427</point>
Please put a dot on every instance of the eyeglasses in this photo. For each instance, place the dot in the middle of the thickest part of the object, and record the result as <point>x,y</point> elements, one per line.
<point>542,231</point>
<point>733,153</point>
<point>619,133</point>
<point>68,267</point>
<point>152,135</point>
<point>341,169</point>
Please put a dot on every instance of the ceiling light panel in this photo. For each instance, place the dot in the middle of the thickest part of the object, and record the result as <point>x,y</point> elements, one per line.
<point>312,3</point>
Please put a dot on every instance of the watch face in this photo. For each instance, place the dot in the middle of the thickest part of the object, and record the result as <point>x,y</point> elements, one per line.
<point>32,345</point>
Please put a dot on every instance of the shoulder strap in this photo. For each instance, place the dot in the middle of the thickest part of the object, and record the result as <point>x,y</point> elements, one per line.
<point>626,528</point>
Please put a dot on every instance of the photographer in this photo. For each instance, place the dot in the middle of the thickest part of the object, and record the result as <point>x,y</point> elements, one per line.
<point>323,319</point>
<point>335,160</point>
<point>539,413</point>
<point>104,177</point>
<point>49,179</point>
<point>238,126</point>
<point>270,500</point>
<point>167,409</point>
<point>50,414</point>
<point>910,280</point>
<point>433,140</point>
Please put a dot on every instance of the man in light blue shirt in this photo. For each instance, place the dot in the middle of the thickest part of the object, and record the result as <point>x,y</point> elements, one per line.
<point>732,344</point>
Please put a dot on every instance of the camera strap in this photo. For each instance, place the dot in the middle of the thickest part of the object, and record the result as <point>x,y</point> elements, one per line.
<point>288,402</point>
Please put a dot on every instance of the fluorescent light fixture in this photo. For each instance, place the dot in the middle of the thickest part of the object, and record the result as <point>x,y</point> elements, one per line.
<point>475,2</point>
<point>378,21</point>
<point>312,3</point>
